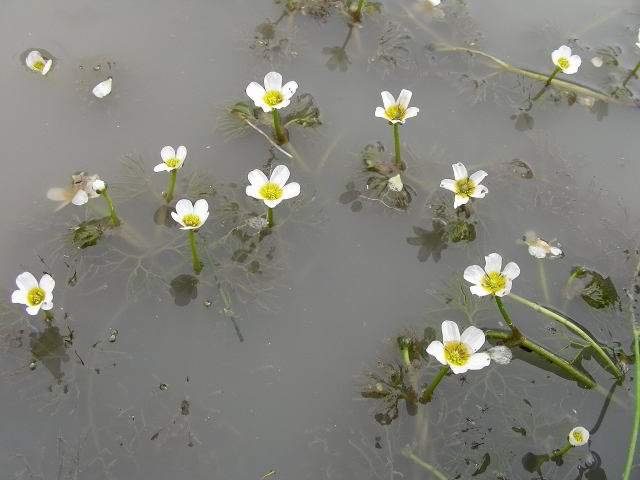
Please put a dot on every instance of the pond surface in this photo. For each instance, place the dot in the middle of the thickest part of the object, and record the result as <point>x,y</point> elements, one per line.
<point>258,364</point>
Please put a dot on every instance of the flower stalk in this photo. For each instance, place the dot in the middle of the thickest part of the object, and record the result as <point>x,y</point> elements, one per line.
<point>516,333</point>
<point>574,328</point>
<point>632,74</point>
<point>270,216</point>
<point>172,186</point>
<point>194,251</point>
<point>557,455</point>
<point>428,393</point>
<point>396,137</point>
<point>357,15</point>
<point>112,209</point>
<point>407,360</point>
<point>547,83</point>
<point>276,125</point>
<point>543,281</point>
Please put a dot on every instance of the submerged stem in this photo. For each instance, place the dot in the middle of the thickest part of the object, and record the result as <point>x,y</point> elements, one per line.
<point>546,85</point>
<point>276,125</point>
<point>543,281</point>
<point>172,185</point>
<point>357,15</point>
<point>505,315</point>
<point>561,452</point>
<point>540,350</point>
<point>427,466</point>
<point>270,216</point>
<point>573,327</point>
<point>112,209</point>
<point>194,252</point>
<point>428,393</point>
<point>636,418</point>
<point>396,137</point>
<point>48,316</point>
<point>631,74</point>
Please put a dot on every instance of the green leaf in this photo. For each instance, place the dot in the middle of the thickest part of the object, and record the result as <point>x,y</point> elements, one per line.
<point>598,291</point>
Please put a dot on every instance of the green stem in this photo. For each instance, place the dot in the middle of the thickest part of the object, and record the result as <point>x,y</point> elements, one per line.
<point>505,315</point>
<point>631,74</point>
<point>396,137</point>
<point>112,209</point>
<point>538,76</point>
<point>540,350</point>
<point>543,281</point>
<point>276,124</point>
<point>573,327</point>
<point>48,316</point>
<point>560,453</point>
<point>546,85</point>
<point>428,393</point>
<point>407,360</point>
<point>636,418</point>
<point>430,468</point>
<point>270,216</point>
<point>194,252</point>
<point>172,185</point>
<point>357,15</point>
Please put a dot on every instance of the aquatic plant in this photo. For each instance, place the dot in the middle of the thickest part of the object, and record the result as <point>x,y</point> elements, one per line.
<point>103,89</point>
<point>396,112</point>
<point>578,436</point>
<point>36,62</point>
<point>272,97</point>
<point>465,186</point>
<point>192,217</point>
<point>272,190</point>
<point>35,295</point>
<point>172,161</point>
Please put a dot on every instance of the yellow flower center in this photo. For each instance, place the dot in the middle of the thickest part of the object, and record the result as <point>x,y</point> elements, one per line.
<point>35,296</point>
<point>172,162</point>
<point>271,191</point>
<point>273,97</point>
<point>38,65</point>
<point>563,63</point>
<point>191,220</point>
<point>578,437</point>
<point>493,282</point>
<point>396,112</point>
<point>465,187</point>
<point>456,353</point>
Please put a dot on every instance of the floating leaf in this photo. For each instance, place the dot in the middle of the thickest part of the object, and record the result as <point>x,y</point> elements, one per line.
<point>598,291</point>
<point>303,111</point>
<point>461,231</point>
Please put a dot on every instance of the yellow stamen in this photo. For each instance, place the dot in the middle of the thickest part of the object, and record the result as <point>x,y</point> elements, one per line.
<point>578,436</point>
<point>563,63</point>
<point>172,162</point>
<point>35,296</point>
<point>493,282</point>
<point>273,98</point>
<point>396,112</point>
<point>38,65</point>
<point>271,191</point>
<point>465,187</point>
<point>191,220</point>
<point>456,353</point>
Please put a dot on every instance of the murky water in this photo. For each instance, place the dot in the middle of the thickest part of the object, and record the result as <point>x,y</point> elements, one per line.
<point>258,363</point>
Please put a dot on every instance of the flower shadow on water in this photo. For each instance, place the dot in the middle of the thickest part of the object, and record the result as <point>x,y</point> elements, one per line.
<point>183,289</point>
<point>49,348</point>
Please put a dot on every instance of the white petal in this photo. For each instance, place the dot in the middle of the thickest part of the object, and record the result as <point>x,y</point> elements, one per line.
<point>450,332</point>
<point>458,200</point>
<point>26,281</point>
<point>404,98</point>
<point>162,167</point>
<point>253,191</point>
<point>411,112</point>
<point>282,104</point>
<point>257,178</point>
<point>46,305</point>
<point>203,218</point>
<point>272,81</point>
<point>478,176</point>
<point>493,263</point>
<point>436,349</point>
<point>80,198</point>
<point>47,283</point>
<point>103,88</point>
<point>478,361</point>
<point>395,183</point>
<point>47,67</point>
<point>555,251</point>
<point>167,152</point>
<point>289,89</point>
<point>256,92</point>
<point>479,290</point>
<point>448,184</point>
<point>20,296</point>
<point>273,203</point>
<point>506,290</point>
<point>574,63</point>
<point>393,120</point>
<point>380,112</point>
<point>473,337</point>
<point>177,218</point>
<point>555,55</point>
<point>582,432</point>
<point>387,99</point>
<point>564,51</point>
<point>201,208</point>
<point>58,194</point>
<point>458,369</point>
<point>537,252</point>
<point>474,274</point>
<point>181,153</point>
<point>184,207</point>
<point>480,191</point>
<point>33,310</point>
<point>459,171</point>
<point>511,270</point>
<point>33,58</point>
<point>291,190</point>
<point>280,175</point>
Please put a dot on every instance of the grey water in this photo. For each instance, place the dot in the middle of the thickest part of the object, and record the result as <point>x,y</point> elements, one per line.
<point>256,366</point>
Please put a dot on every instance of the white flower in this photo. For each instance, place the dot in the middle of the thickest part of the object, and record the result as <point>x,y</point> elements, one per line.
<point>36,62</point>
<point>539,248</point>
<point>85,185</point>
<point>500,354</point>
<point>272,190</point>
<point>578,436</point>
<point>273,94</point>
<point>103,88</point>
<point>489,281</point>
<point>396,111</point>
<point>395,183</point>
<point>464,186</point>
<point>33,294</point>
<point>434,3</point>
<point>98,186</point>
<point>191,216</point>
<point>171,159</point>
<point>563,59</point>
<point>638,42</point>
<point>459,351</point>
